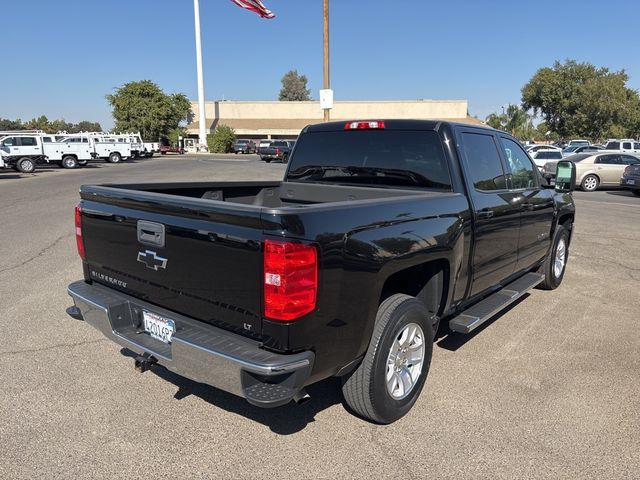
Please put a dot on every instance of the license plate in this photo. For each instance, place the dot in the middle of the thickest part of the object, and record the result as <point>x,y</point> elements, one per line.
<point>631,182</point>
<point>158,327</point>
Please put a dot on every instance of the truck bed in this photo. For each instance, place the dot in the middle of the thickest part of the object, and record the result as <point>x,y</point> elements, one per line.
<point>213,234</point>
<point>254,194</point>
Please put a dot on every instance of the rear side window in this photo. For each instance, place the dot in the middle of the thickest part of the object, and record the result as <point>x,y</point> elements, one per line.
<point>549,155</point>
<point>390,158</point>
<point>608,159</point>
<point>482,162</point>
<point>28,141</point>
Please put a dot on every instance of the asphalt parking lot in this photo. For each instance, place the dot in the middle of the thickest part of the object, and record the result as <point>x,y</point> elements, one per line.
<point>549,389</point>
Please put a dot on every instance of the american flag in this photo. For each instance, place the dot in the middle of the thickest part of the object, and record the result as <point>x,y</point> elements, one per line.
<point>255,6</point>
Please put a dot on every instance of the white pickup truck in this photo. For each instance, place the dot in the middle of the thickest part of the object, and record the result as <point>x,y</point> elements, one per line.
<point>23,151</point>
<point>626,145</point>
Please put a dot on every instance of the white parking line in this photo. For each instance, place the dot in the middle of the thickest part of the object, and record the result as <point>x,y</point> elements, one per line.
<point>607,203</point>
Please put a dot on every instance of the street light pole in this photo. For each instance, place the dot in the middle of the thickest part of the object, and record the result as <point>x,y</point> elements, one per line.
<point>202,137</point>
<point>325,83</point>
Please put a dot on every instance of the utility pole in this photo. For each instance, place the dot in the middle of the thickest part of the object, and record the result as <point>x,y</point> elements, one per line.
<point>326,84</point>
<point>202,137</point>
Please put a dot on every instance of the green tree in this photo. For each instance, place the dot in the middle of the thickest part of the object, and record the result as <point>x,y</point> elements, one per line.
<point>86,126</point>
<point>40,123</point>
<point>496,121</point>
<point>174,135</point>
<point>221,140</point>
<point>514,120</point>
<point>581,100</point>
<point>143,107</point>
<point>294,87</point>
<point>6,124</point>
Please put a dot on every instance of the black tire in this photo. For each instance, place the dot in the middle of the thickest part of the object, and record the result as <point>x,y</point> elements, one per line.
<point>365,390</point>
<point>25,165</point>
<point>150,154</point>
<point>69,161</point>
<point>114,157</point>
<point>636,192</point>
<point>552,279</point>
<point>267,160</point>
<point>590,183</point>
<point>83,163</point>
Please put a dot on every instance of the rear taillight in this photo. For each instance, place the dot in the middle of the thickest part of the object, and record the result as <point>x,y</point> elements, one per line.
<point>79,241</point>
<point>368,125</point>
<point>290,279</point>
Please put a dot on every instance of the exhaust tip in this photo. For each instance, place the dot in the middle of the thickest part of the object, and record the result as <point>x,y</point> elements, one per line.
<point>301,397</point>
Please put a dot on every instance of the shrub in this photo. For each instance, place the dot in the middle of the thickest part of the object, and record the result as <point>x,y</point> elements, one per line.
<point>221,140</point>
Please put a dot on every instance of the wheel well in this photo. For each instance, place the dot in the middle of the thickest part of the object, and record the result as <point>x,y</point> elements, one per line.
<point>566,221</point>
<point>426,281</point>
<point>69,155</point>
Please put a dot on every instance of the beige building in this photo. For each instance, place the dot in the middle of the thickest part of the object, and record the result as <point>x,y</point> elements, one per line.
<point>286,119</point>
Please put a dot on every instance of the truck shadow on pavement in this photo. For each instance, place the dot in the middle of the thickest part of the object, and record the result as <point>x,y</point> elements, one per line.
<point>285,420</point>
<point>452,341</point>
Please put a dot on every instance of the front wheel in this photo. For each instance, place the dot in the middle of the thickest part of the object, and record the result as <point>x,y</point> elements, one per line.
<point>555,262</point>
<point>636,192</point>
<point>114,157</point>
<point>590,183</point>
<point>391,376</point>
<point>25,165</point>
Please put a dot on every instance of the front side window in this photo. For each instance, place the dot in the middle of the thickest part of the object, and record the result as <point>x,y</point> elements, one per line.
<point>613,146</point>
<point>483,162</point>
<point>629,159</point>
<point>522,173</point>
<point>626,145</point>
<point>9,142</point>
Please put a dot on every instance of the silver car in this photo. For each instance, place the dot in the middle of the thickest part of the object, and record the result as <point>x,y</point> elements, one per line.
<point>596,170</point>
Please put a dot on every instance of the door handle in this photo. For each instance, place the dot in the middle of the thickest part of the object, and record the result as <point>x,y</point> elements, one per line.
<point>485,213</point>
<point>527,206</point>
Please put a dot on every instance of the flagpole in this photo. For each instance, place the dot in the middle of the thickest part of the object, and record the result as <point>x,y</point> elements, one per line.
<point>325,83</point>
<point>202,137</point>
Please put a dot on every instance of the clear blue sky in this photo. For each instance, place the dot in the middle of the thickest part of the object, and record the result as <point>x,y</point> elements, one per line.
<point>62,57</point>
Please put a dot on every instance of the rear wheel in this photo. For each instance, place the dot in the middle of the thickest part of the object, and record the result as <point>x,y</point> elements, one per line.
<point>114,157</point>
<point>391,376</point>
<point>636,192</point>
<point>555,262</point>
<point>69,161</point>
<point>25,165</point>
<point>590,183</point>
<point>83,163</point>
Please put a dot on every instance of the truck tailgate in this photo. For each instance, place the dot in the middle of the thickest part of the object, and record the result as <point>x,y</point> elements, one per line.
<point>203,260</point>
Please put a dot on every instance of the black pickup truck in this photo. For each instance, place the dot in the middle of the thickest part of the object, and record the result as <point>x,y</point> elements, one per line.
<point>380,231</point>
<point>276,150</point>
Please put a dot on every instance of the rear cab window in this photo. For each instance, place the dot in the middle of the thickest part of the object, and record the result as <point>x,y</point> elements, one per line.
<point>380,157</point>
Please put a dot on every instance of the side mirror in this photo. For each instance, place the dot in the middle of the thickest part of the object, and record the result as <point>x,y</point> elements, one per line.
<point>565,176</point>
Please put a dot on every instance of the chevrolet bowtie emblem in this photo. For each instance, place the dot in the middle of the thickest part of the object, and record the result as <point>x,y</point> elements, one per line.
<point>152,260</point>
